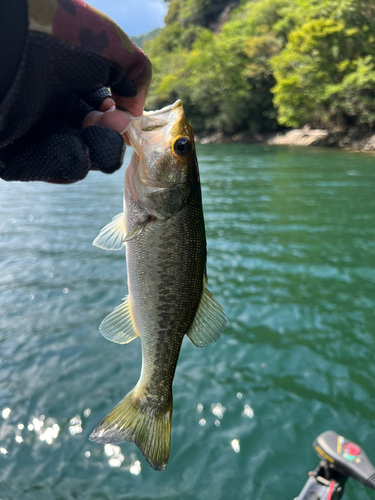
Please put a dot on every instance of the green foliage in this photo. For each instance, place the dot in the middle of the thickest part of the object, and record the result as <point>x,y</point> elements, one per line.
<point>142,39</point>
<point>174,12</point>
<point>325,73</point>
<point>288,62</point>
<point>355,94</point>
<point>224,79</point>
<point>197,12</point>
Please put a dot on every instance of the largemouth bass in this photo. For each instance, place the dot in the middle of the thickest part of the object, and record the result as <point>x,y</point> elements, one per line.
<point>162,226</point>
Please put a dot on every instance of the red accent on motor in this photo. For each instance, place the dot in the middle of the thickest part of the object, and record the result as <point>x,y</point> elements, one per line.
<point>352,449</point>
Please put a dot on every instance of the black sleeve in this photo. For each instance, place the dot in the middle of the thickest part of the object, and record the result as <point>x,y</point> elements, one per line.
<point>13,31</point>
<point>48,84</point>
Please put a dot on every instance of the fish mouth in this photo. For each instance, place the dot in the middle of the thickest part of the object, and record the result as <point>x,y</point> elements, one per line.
<point>153,130</point>
<point>165,110</point>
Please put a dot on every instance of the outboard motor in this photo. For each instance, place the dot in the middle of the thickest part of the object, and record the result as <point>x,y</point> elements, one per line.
<point>341,459</point>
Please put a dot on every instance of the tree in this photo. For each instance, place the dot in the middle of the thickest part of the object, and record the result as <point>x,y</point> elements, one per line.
<point>287,62</point>
<point>224,79</point>
<point>320,73</point>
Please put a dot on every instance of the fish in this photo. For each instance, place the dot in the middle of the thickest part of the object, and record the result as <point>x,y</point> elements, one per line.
<point>162,227</point>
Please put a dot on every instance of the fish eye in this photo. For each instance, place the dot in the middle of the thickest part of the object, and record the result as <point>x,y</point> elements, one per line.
<point>182,147</point>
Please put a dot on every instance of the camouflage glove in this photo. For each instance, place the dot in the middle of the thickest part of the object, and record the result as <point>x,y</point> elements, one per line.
<point>70,57</point>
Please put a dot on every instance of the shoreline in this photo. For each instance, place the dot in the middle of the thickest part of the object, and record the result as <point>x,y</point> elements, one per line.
<point>353,139</point>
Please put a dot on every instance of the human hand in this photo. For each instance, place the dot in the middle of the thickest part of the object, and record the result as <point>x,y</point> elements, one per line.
<point>111,112</point>
<point>57,120</point>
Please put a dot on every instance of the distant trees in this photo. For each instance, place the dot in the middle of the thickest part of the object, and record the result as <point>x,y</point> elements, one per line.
<point>325,74</point>
<point>287,62</point>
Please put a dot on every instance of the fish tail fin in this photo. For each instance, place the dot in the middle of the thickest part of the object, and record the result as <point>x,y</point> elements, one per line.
<point>149,428</point>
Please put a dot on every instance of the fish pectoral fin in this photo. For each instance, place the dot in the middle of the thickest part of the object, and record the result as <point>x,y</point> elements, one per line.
<point>209,322</point>
<point>112,236</point>
<point>118,326</point>
<point>136,231</point>
<point>148,427</point>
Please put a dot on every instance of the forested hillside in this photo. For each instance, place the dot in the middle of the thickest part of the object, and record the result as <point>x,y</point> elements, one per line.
<point>141,39</point>
<point>257,64</point>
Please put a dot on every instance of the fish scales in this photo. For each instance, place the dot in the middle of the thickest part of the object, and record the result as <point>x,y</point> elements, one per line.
<point>162,226</point>
<point>166,262</point>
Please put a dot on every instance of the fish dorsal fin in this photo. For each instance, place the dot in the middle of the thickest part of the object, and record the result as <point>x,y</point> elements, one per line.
<point>209,322</point>
<point>118,326</point>
<point>112,236</point>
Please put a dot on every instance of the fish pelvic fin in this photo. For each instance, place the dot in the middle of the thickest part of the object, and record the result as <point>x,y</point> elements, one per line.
<point>118,326</point>
<point>136,422</point>
<point>209,322</point>
<point>112,236</point>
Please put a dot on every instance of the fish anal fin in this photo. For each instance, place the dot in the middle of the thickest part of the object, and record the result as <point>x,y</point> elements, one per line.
<point>209,322</point>
<point>112,236</point>
<point>118,326</point>
<point>132,421</point>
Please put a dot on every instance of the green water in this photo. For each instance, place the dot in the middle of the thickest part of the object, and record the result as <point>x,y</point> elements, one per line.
<point>291,257</point>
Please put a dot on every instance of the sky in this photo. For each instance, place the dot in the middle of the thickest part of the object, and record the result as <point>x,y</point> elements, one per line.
<point>135,17</point>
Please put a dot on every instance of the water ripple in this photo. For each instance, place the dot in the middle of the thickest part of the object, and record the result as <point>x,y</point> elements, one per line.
<point>291,256</point>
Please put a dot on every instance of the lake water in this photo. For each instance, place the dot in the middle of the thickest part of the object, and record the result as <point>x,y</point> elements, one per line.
<point>291,257</point>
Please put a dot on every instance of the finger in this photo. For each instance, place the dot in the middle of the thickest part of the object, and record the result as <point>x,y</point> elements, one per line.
<point>63,157</point>
<point>106,148</point>
<point>59,158</point>
<point>135,105</point>
<point>107,104</point>
<point>113,119</point>
<point>91,119</point>
<point>96,98</point>
<point>70,108</point>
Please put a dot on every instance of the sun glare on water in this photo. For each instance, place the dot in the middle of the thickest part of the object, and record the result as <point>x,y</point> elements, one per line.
<point>47,430</point>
